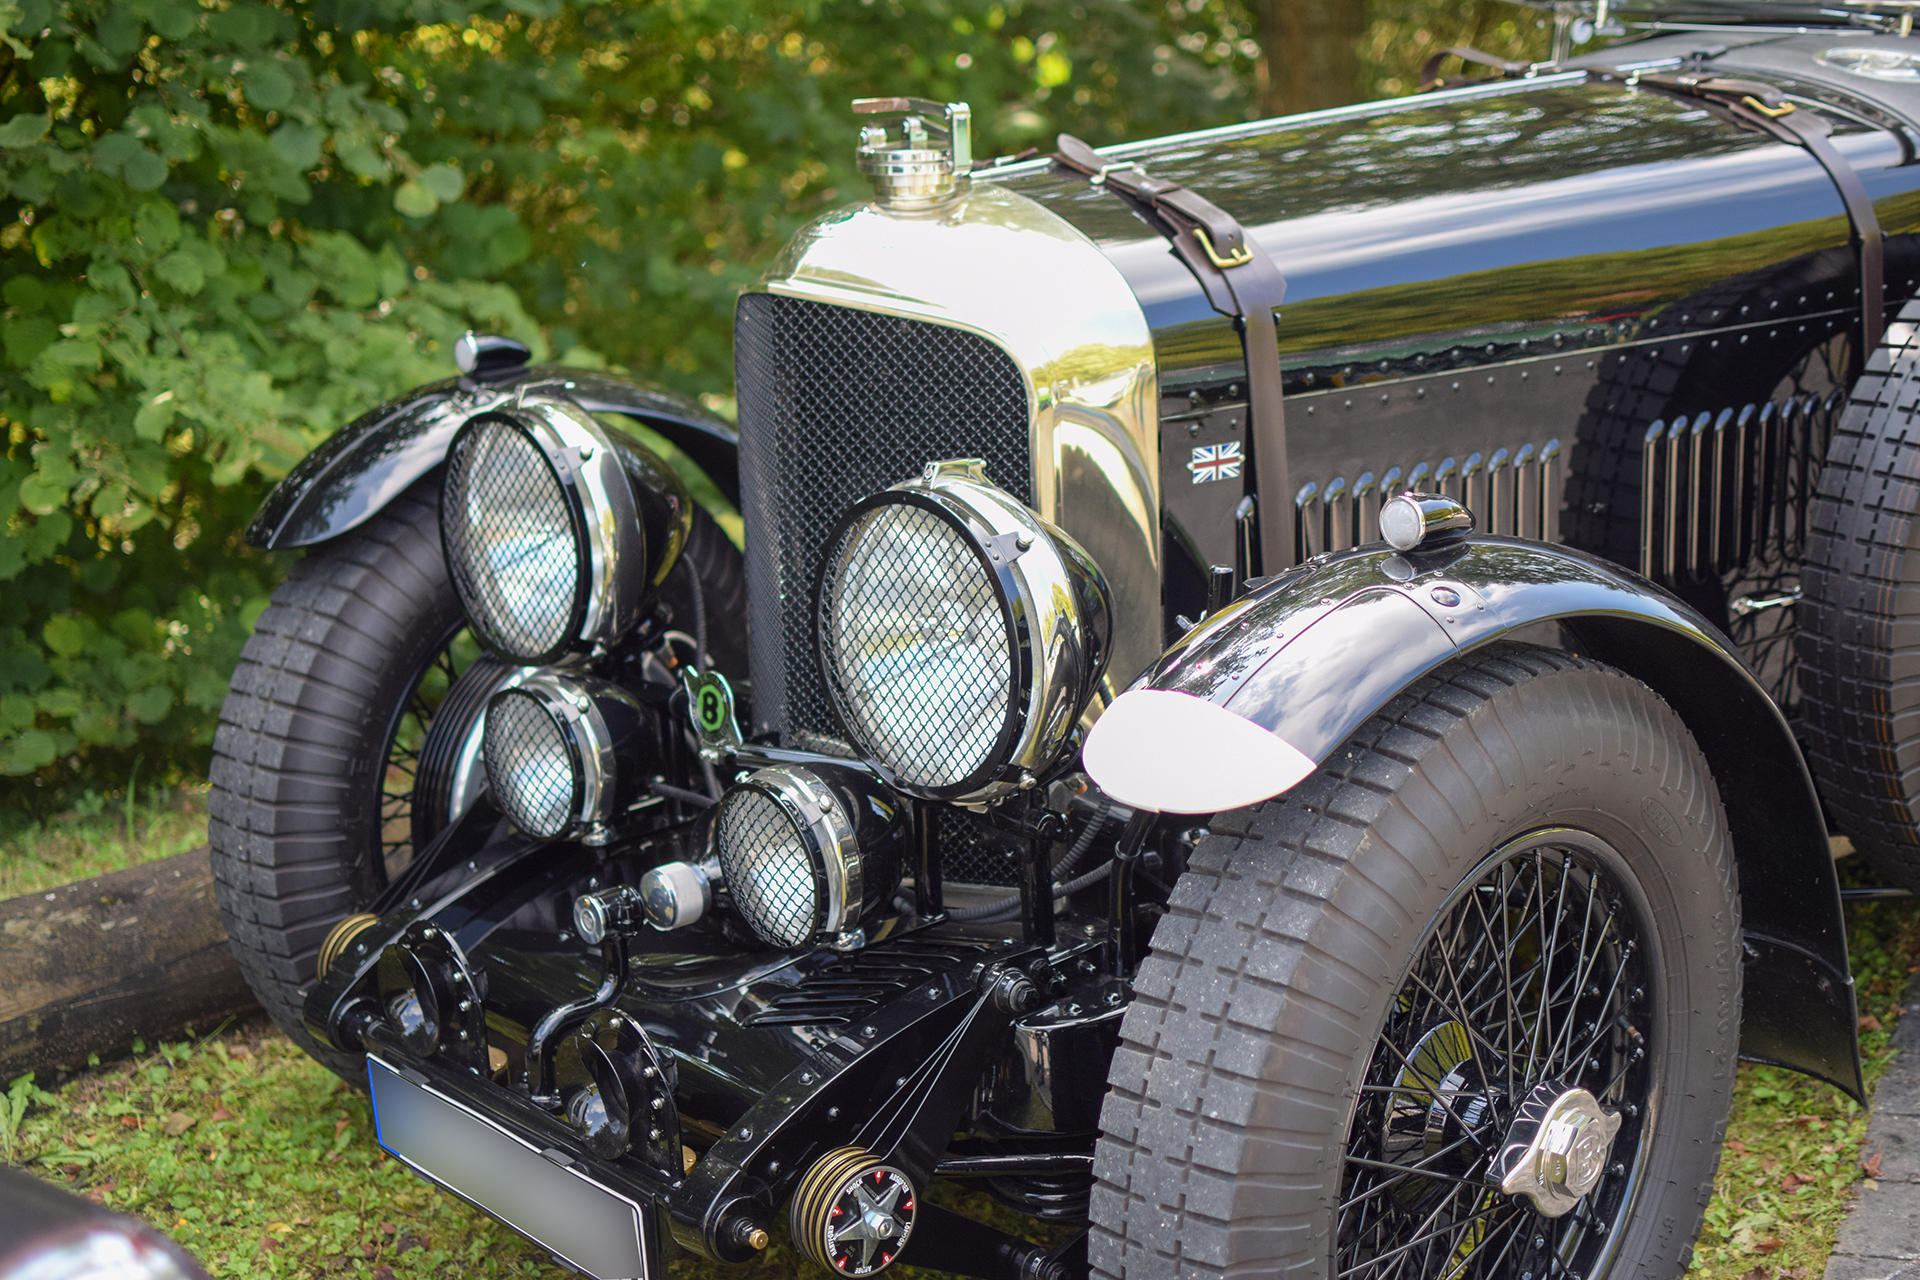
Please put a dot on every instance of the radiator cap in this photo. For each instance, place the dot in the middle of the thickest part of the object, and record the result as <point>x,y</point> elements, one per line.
<point>929,161</point>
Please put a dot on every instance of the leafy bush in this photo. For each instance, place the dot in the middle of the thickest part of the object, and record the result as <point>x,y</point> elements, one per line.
<point>226,227</point>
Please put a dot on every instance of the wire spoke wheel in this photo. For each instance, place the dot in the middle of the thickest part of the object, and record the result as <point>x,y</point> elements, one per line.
<point>1462,1005</point>
<point>406,736</point>
<point>1530,979</point>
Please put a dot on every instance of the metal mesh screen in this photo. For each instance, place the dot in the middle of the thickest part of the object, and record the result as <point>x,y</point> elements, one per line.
<point>916,645</point>
<point>767,867</point>
<point>529,769</point>
<point>511,544</point>
<point>835,405</point>
<point>970,855</point>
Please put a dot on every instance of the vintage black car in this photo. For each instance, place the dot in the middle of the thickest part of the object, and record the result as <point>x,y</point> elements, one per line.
<point>1269,717</point>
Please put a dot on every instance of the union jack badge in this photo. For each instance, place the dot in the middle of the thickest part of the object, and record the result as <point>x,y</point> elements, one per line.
<point>1215,462</point>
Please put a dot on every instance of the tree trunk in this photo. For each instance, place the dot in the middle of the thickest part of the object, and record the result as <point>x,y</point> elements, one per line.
<point>88,967</point>
<point>1310,54</point>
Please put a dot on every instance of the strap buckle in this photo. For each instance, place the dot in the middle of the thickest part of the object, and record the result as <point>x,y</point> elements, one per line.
<point>1771,113</point>
<point>1239,258</point>
<point>1100,179</point>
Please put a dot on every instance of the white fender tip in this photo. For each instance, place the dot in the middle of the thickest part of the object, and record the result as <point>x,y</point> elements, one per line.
<point>1174,753</point>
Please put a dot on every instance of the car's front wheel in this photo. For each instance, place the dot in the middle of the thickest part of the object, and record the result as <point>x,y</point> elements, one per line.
<point>1463,1004</point>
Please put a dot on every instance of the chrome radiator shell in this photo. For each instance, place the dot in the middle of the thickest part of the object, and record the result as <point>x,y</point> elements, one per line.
<point>1005,270</point>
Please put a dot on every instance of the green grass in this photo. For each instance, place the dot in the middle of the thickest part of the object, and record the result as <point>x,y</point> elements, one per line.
<point>102,834</point>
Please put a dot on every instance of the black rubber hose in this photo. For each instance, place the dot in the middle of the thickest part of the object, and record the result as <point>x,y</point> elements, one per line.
<point>990,912</point>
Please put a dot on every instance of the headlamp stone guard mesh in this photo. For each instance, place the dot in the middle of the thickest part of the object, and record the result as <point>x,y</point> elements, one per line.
<point>936,710</point>
<point>769,867</point>
<point>837,404</point>
<point>497,484</point>
<point>532,773</point>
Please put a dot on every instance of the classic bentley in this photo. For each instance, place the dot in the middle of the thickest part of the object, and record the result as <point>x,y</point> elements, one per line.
<point>1278,709</point>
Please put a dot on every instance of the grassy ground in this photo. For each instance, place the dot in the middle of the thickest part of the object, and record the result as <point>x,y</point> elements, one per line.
<point>263,1163</point>
<point>105,833</point>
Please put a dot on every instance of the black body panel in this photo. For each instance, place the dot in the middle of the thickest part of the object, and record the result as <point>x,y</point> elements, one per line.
<point>1494,269</point>
<point>1311,654</point>
<point>370,461</point>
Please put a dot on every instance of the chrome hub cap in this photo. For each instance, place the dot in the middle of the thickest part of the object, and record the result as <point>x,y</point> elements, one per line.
<point>1557,1148</point>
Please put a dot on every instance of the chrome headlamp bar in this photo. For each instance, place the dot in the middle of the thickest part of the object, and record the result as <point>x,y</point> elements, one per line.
<point>907,646</point>
<point>552,744</point>
<point>556,528</point>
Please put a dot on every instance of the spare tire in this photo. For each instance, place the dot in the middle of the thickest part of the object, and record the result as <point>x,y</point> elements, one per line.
<point>1859,613</point>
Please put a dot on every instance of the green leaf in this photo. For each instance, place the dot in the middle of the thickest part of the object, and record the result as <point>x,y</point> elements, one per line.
<point>298,145</point>
<point>269,87</point>
<point>24,131</point>
<point>150,705</point>
<point>29,751</point>
<point>157,226</point>
<point>154,417</point>
<point>65,635</point>
<point>182,270</point>
<point>445,181</point>
<point>415,200</point>
<point>27,337</point>
<point>145,170</point>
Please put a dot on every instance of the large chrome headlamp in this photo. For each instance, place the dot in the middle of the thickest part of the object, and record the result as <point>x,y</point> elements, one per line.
<point>960,635</point>
<point>551,743</point>
<point>808,854</point>
<point>556,528</point>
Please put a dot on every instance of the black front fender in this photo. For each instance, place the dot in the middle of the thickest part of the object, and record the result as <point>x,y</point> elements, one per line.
<point>370,461</point>
<point>1311,654</point>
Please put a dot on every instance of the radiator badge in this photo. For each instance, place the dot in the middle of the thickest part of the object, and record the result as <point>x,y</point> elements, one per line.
<point>1215,462</point>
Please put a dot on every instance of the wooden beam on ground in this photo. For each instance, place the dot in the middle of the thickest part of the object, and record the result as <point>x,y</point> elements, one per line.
<point>89,967</point>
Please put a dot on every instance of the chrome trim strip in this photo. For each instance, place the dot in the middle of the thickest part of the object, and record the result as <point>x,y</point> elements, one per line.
<point>1306,119</point>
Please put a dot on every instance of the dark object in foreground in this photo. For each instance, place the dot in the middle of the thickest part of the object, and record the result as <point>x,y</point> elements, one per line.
<point>50,1234</point>
<point>90,967</point>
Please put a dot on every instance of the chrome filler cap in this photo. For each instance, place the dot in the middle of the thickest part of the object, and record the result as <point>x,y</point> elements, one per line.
<point>929,161</point>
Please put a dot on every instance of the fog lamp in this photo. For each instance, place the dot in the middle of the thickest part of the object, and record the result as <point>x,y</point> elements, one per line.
<point>809,853</point>
<point>551,744</point>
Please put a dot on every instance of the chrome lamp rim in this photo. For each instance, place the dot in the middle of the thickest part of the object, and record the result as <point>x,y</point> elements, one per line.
<point>609,537</point>
<point>826,830</point>
<point>1031,564</point>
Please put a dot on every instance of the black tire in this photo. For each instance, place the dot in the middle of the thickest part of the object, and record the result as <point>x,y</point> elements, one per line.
<point>1283,967</point>
<point>294,814</point>
<point>1859,615</point>
<point>300,825</point>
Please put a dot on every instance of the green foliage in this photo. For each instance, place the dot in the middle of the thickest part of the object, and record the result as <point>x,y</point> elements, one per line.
<point>229,226</point>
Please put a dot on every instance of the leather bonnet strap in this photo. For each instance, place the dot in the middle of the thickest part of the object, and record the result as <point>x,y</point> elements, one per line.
<point>1240,281</point>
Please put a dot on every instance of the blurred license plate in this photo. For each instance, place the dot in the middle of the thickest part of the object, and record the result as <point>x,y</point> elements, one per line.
<point>591,1227</point>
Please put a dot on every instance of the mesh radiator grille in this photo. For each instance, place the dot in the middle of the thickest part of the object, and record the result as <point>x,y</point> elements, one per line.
<point>835,405</point>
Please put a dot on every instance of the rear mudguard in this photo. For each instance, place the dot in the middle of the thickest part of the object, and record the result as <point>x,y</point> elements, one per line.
<point>1311,654</point>
<point>370,461</point>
